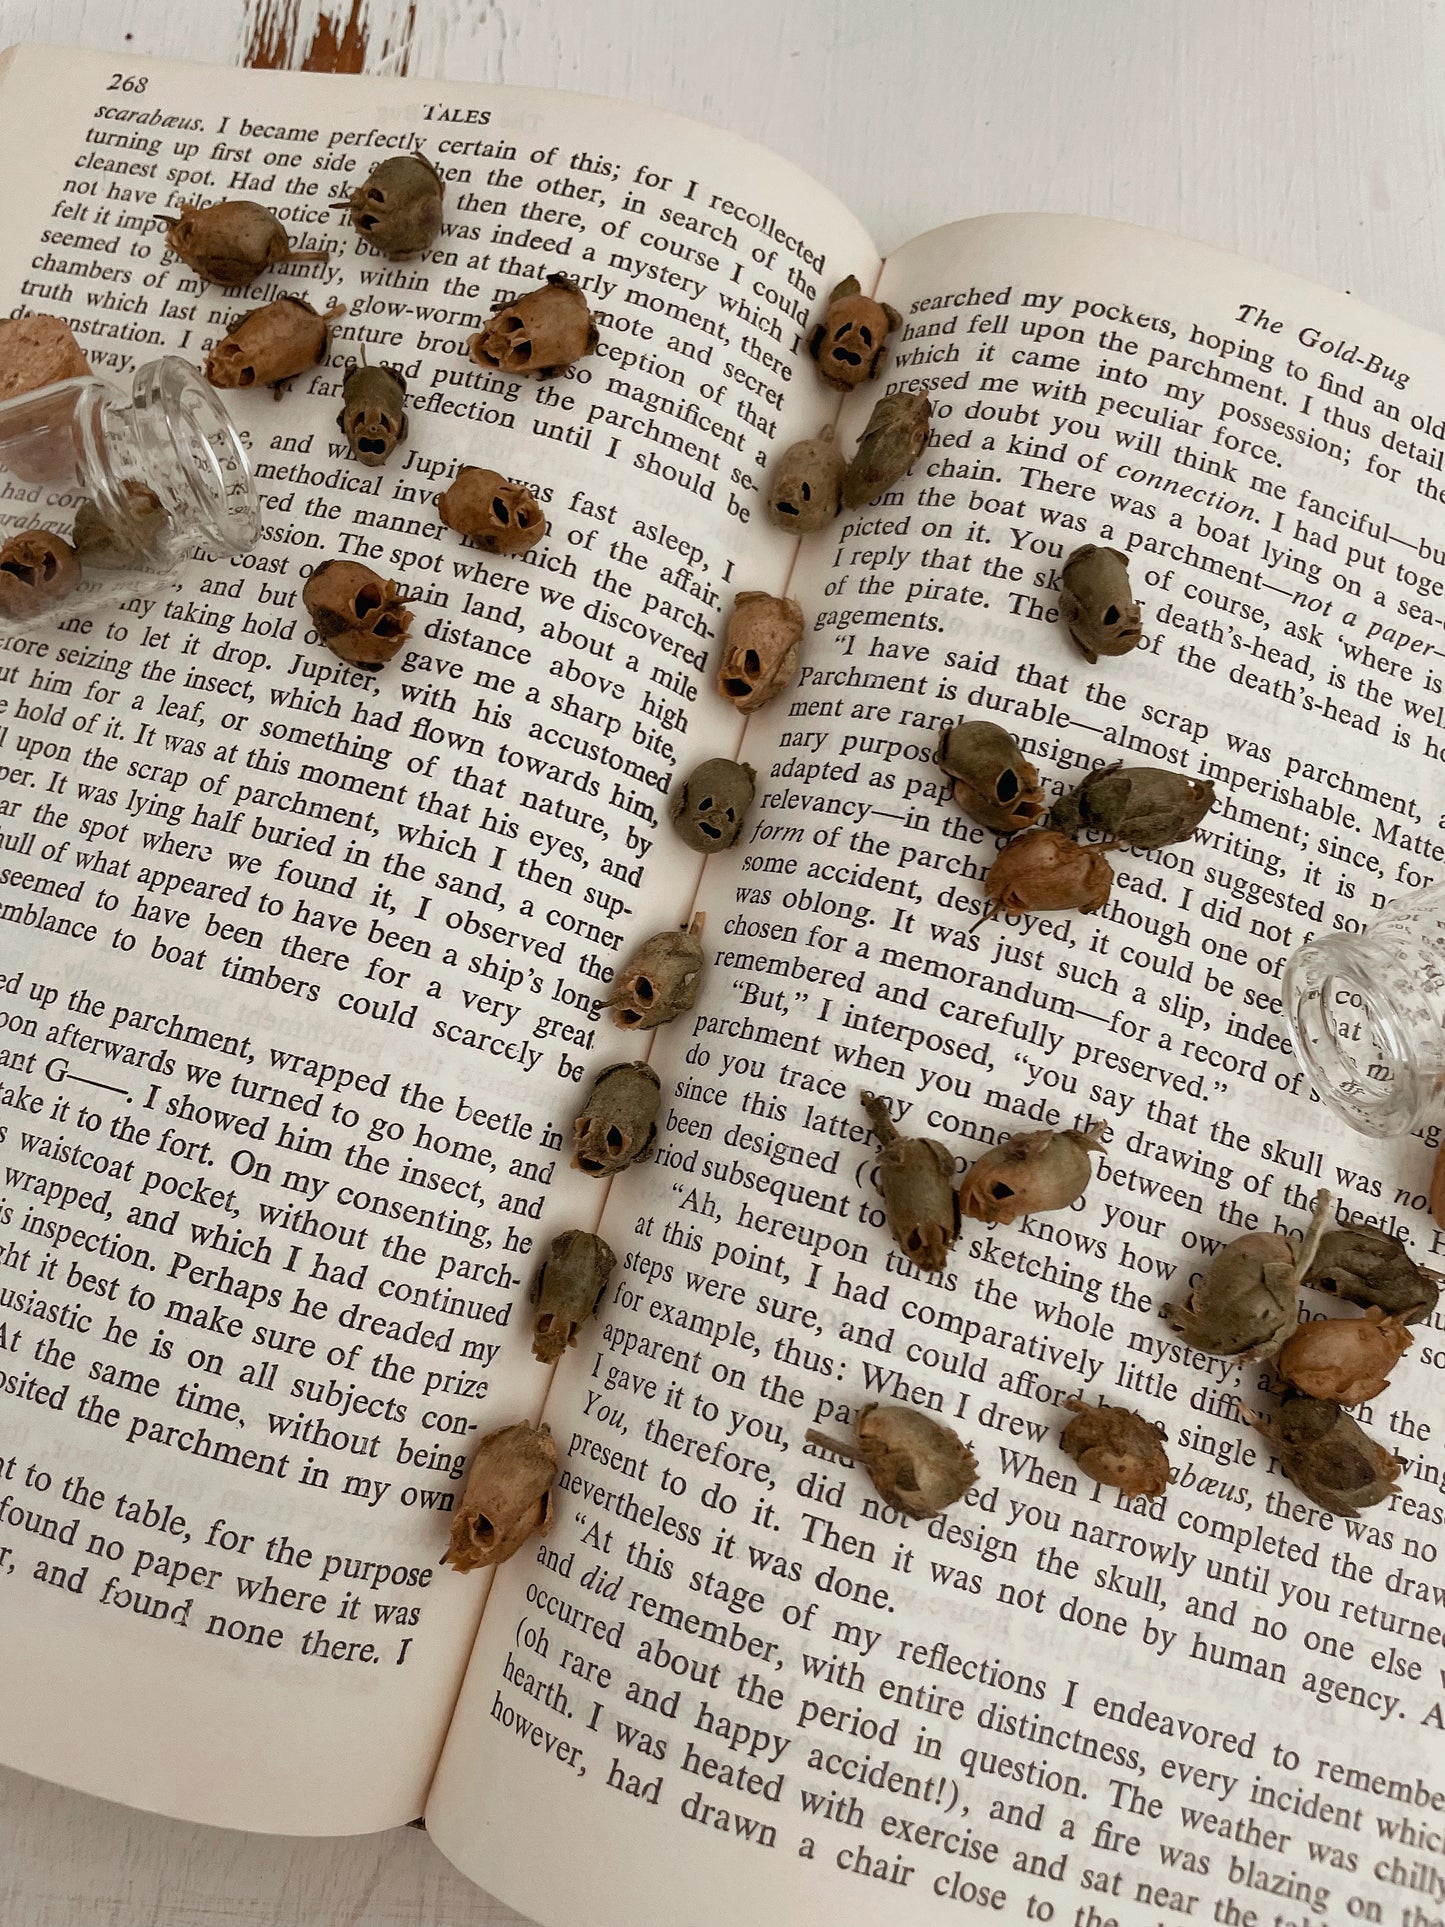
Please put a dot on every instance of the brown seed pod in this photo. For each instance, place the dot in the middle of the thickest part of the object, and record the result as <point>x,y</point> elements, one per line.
<point>1145,808</point>
<point>710,807</point>
<point>1359,1261</point>
<point>502,517</point>
<point>917,1466</point>
<point>1035,1171</point>
<point>271,344</point>
<point>134,533</point>
<point>38,570</point>
<point>1116,1447</point>
<point>1044,870</point>
<point>806,491</point>
<point>1327,1455</point>
<point>760,649</point>
<point>895,437</point>
<point>1348,1360</point>
<point>507,1497</point>
<point>916,1178</point>
<point>1437,1188</point>
<point>992,779</point>
<point>618,1124</point>
<point>373,411</point>
<point>398,207</point>
<point>37,350</point>
<point>1247,1301</point>
<point>540,334</point>
<point>231,242</point>
<point>849,342</point>
<point>659,981</point>
<point>568,1290</point>
<point>1097,603</point>
<point>358,614</point>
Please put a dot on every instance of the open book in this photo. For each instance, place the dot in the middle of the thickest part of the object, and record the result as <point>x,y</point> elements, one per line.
<point>299,990</point>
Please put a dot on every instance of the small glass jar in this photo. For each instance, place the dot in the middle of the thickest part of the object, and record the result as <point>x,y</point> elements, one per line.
<point>133,486</point>
<point>1366,1011</point>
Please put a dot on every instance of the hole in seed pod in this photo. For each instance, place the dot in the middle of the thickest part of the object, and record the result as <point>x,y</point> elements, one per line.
<point>246,378</point>
<point>846,354</point>
<point>370,445</point>
<point>838,333</point>
<point>484,1529</point>
<point>737,687</point>
<point>704,802</point>
<point>710,829</point>
<point>806,492</point>
<point>626,1017</point>
<point>906,1481</point>
<point>1111,616</point>
<point>522,351</point>
<point>1002,1191</point>
<point>644,991</point>
<point>20,571</point>
<point>523,519</point>
<point>387,625</point>
<point>375,194</point>
<point>499,509</point>
<point>589,1164</point>
<point>1007,787</point>
<point>512,323</point>
<point>367,599</point>
<point>786,508</point>
<point>615,1138</point>
<point>752,662</point>
<point>865,335</point>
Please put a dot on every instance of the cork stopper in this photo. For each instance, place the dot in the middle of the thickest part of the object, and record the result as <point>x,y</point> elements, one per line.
<point>36,350</point>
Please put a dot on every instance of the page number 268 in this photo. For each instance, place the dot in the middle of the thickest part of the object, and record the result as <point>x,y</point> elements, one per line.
<point>128,83</point>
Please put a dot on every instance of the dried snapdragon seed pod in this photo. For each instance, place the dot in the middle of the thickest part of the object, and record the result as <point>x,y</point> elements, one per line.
<point>760,649</point>
<point>916,1178</point>
<point>271,344</point>
<point>1348,1360</point>
<point>542,333</point>
<point>373,411</point>
<point>37,350</point>
<point>502,517</point>
<point>659,980</point>
<point>507,1497</point>
<point>618,1124</point>
<point>568,1291</point>
<point>1437,1188</point>
<point>136,530</point>
<point>992,779</point>
<point>1097,602</point>
<point>1045,870</point>
<point>892,442</point>
<point>1145,808</point>
<point>849,342</point>
<point>1327,1455</point>
<point>231,242</point>
<point>709,807</point>
<point>917,1465</point>
<point>806,491</point>
<point>1247,1301</point>
<point>357,613</point>
<point>1035,1171</point>
<point>38,569</point>
<point>1114,1446</point>
<point>1368,1266</point>
<point>398,207</point>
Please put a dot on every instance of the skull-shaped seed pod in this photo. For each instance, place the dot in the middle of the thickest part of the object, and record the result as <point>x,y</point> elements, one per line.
<point>1368,1266</point>
<point>271,344</point>
<point>373,411</point>
<point>507,1497</point>
<point>1247,1301</point>
<point>1145,808</point>
<point>1327,1454</point>
<point>568,1290</point>
<point>917,1180</point>
<point>760,649</point>
<point>502,517</point>
<point>135,530</point>
<point>356,612</point>
<point>1114,1446</point>
<point>231,242</point>
<point>541,334</point>
<point>849,342</point>
<point>710,807</point>
<point>1348,1360</point>
<point>806,491</point>
<point>659,981</point>
<point>895,437</point>
<point>618,1124</point>
<point>1035,1171</point>
<point>37,350</point>
<point>917,1466</point>
<point>992,779</point>
<point>398,207</point>
<point>1045,870</point>
<point>1097,603</point>
<point>38,570</point>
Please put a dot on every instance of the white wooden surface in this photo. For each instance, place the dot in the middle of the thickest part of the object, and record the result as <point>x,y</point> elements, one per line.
<point>1305,132</point>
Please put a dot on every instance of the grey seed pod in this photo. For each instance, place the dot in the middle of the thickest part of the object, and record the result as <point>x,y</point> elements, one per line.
<point>710,807</point>
<point>917,1180</point>
<point>541,334</point>
<point>760,649</point>
<point>398,207</point>
<point>231,242</point>
<point>38,569</point>
<point>618,1124</point>
<point>568,1290</point>
<point>1368,1266</point>
<point>992,779</point>
<point>895,437</point>
<point>271,344</point>
<point>806,491</point>
<point>1145,808</point>
<point>1114,1446</point>
<point>659,981</point>
<point>1326,1453</point>
<point>373,411</point>
<point>1035,1171</point>
<point>1247,1302</point>
<point>134,534</point>
<point>849,342</point>
<point>1097,603</point>
<point>503,517</point>
<point>917,1466</point>
<point>507,1497</point>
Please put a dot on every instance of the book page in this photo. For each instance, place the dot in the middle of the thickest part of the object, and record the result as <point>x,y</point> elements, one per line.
<point>300,966</point>
<point>1050,1702</point>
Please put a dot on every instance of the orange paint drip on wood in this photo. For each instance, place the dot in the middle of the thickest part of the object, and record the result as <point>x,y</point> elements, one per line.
<point>335,48</point>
